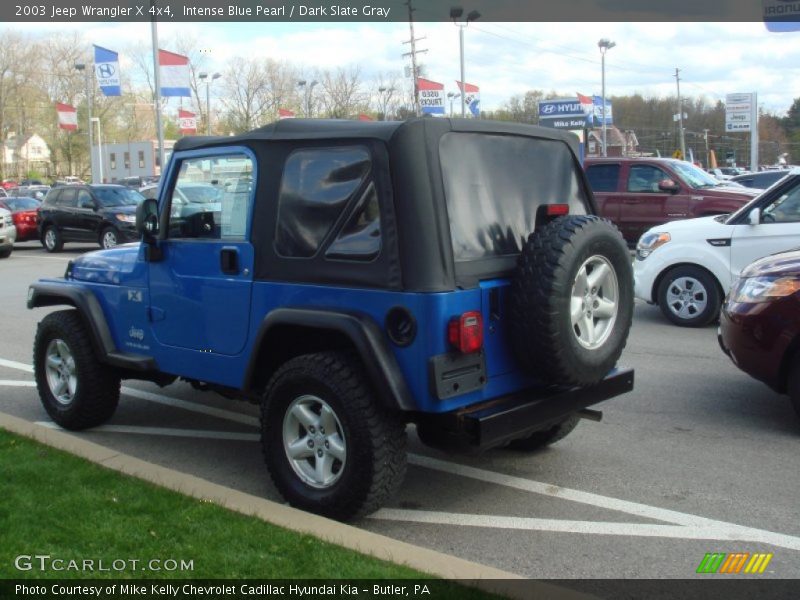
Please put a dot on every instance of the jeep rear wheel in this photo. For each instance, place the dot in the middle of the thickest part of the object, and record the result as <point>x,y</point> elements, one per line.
<point>328,447</point>
<point>76,390</point>
<point>572,300</point>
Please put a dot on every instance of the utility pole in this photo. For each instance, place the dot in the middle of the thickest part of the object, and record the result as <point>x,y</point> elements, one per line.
<point>708,154</point>
<point>413,54</point>
<point>680,114</point>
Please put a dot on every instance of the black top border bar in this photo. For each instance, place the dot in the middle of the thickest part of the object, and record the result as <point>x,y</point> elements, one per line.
<point>343,11</point>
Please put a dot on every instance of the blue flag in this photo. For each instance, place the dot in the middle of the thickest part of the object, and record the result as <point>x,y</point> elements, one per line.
<point>106,68</point>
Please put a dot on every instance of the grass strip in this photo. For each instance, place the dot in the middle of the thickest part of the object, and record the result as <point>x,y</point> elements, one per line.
<point>63,506</point>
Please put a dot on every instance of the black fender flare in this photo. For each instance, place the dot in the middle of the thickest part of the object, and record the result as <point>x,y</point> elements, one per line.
<point>361,330</point>
<point>44,293</point>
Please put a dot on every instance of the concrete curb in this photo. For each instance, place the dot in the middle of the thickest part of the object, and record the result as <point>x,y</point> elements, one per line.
<point>422,559</point>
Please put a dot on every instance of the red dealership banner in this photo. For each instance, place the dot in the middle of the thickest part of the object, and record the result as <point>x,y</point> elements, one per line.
<point>67,116</point>
<point>187,122</point>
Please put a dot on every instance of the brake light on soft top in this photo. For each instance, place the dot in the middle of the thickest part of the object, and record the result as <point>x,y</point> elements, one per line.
<point>465,333</point>
<point>557,210</point>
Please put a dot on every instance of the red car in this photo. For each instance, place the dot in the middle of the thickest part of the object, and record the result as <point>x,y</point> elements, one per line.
<point>8,184</point>
<point>760,323</point>
<point>25,213</point>
<point>637,193</point>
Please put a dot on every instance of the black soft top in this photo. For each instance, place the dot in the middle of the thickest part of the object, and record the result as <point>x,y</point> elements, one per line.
<point>317,129</point>
<point>406,169</point>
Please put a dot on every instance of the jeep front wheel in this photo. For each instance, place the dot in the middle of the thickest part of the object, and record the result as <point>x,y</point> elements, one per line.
<point>76,390</point>
<point>328,447</point>
<point>572,300</point>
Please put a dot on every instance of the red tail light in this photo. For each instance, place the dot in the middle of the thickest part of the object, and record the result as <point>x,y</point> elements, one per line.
<point>557,210</point>
<point>465,333</point>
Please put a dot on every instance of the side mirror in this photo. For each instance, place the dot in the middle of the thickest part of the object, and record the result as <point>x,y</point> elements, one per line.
<point>668,185</point>
<point>754,216</point>
<point>147,219</point>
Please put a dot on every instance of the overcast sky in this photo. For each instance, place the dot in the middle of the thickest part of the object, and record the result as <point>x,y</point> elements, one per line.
<point>509,58</point>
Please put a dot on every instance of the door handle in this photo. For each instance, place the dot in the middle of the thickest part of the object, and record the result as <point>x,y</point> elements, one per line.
<point>229,261</point>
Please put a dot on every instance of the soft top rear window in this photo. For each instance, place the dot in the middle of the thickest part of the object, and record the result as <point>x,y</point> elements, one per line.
<point>493,185</point>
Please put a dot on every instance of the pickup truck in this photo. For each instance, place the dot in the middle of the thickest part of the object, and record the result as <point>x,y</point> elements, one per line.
<point>638,193</point>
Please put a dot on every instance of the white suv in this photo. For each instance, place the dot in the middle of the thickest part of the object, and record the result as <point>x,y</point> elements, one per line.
<point>686,267</point>
<point>8,233</point>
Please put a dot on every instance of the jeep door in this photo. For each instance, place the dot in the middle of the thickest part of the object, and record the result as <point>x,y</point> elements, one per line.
<point>200,288</point>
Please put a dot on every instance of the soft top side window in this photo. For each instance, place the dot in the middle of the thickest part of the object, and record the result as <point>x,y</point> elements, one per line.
<point>319,188</point>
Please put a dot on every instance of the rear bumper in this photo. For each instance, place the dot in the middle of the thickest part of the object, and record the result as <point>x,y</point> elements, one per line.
<point>516,415</point>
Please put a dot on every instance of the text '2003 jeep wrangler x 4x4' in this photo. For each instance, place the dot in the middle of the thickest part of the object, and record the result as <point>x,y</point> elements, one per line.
<point>353,278</point>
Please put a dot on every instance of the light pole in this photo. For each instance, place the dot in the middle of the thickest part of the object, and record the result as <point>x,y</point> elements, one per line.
<point>452,96</point>
<point>99,144</point>
<point>204,77</point>
<point>456,13</point>
<point>82,68</point>
<point>385,95</point>
<point>605,45</point>
<point>308,88</point>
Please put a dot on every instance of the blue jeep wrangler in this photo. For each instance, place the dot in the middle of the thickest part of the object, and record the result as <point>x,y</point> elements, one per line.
<point>352,278</point>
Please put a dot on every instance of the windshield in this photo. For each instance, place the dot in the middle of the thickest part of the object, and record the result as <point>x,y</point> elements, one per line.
<point>22,203</point>
<point>693,176</point>
<point>110,197</point>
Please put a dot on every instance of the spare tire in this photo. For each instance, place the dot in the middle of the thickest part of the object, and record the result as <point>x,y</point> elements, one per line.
<point>571,300</point>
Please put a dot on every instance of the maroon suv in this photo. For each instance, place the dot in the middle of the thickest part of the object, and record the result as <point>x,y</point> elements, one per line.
<point>638,193</point>
<point>760,323</point>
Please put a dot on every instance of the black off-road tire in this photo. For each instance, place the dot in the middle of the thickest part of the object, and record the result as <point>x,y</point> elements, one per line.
<point>57,241</point>
<point>544,338</point>
<point>681,278</point>
<point>374,438</point>
<point>545,437</point>
<point>793,383</point>
<point>96,392</point>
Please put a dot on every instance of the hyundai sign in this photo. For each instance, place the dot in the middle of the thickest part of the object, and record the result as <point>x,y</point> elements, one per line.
<point>562,114</point>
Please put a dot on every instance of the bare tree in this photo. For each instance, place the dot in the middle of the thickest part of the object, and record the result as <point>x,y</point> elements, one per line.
<point>343,96</point>
<point>245,88</point>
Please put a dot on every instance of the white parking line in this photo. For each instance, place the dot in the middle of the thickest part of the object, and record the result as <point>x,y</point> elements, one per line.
<point>554,525</point>
<point>12,383</point>
<point>12,364</point>
<point>167,431</point>
<point>683,525</point>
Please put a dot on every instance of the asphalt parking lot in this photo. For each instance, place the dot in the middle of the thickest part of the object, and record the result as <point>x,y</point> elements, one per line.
<point>698,458</point>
